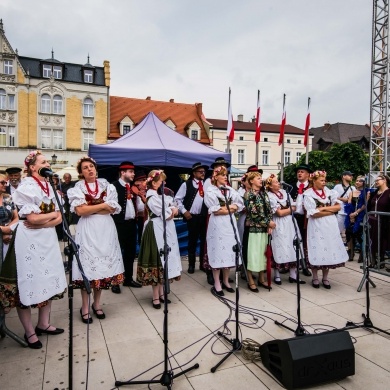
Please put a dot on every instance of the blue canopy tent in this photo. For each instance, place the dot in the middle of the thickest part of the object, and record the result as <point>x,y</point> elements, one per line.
<point>152,143</point>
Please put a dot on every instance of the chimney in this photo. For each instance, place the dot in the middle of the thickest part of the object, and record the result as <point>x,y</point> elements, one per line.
<point>148,98</point>
<point>199,109</point>
<point>171,100</point>
<point>240,118</point>
<point>327,126</point>
<point>253,119</point>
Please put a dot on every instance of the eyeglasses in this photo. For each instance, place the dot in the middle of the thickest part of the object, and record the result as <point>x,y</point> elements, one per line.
<point>3,183</point>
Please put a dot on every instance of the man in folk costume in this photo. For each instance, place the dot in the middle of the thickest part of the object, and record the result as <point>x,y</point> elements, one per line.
<point>14,179</point>
<point>298,188</point>
<point>191,205</point>
<point>125,222</point>
<point>139,188</point>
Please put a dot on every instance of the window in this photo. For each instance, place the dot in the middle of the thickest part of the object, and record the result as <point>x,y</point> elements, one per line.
<point>57,72</point>
<point>241,156</point>
<point>3,99</point>
<point>265,156</point>
<point>298,156</point>
<point>287,158</point>
<point>8,67</point>
<point>265,139</point>
<point>194,135</point>
<point>6,102</point>
<point>299,141</point>
<point>7,136</point>
<point>57,104</point>
<point>52,139</point>
<point>47,71</point>
<point>88,107</point>
<point>126,129</point>
<point>45,103</point>
<point>87,139</point>
<point>241,138</point>
<point>88,76</point>
<point>289,141</point>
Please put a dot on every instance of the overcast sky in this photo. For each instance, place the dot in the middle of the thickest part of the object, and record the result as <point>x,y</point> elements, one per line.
<point>194,50</point>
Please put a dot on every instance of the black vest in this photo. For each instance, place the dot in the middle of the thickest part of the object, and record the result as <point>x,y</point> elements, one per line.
<point>190,195</point>
<point>294,191</point>
<point>122,200</point>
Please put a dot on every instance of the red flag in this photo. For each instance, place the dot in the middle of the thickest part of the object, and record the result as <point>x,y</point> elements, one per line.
<point>230,125</point>
<point>283,124</point>
<point>257,135</point>
<point>307,124</point>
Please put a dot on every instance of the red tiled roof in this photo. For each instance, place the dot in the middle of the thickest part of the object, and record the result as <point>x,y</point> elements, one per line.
<point>181,114</point>
<point>251,126</point>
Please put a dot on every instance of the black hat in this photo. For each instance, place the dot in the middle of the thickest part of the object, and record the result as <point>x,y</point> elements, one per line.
<point>126,165</point>
<point>303,167</point>
<point>198,165</point>
<point>12,170</point>
<point>139,175</point>
<point>345,173</point>
<point>220,161</point>
<point>254,168</point>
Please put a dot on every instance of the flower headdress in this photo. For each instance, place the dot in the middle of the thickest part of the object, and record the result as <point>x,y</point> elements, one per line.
<point>317,174</point>
<point>243,178</point>
<point>269,179</point>
<point>85,158</point>
<point>30,157</point>
<point>217,170</point>
<point>154,175</point>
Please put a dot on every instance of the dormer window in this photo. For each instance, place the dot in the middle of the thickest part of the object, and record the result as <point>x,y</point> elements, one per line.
<point>126,125</point>
<point>194,131</point>
<point>88,76</point>
<point>49,70</point>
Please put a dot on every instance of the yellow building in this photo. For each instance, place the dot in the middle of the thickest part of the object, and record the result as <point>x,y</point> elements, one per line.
<point>57,107</point>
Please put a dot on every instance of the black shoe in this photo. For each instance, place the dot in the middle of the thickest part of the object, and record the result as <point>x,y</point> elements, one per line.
<point>327,286</point>
<point>40,331</point>
<point>292,280</point>
<point>264,285</point>
<point>191,269</point>
<point>116,289</point>
<point>253,289</point>
<point>210,279</point>
<point>315,285</point>
<point>277,281</point>
<point>101,316</point>
<point>306,272</point>
<point>156,305</point>
<point>228,289</point>
<point>219,293</point>
<point>162,299</point>
<point>35,345</point>
<point>88,320</point>
<point>133,284</point>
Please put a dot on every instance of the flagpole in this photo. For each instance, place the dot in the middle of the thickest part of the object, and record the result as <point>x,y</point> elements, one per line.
<point>257,126</point>
<point>308,138</point>
<point>227,136</point>
<point>281,138</point>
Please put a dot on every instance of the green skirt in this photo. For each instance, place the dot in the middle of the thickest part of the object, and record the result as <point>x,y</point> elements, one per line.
<point>257,244</point>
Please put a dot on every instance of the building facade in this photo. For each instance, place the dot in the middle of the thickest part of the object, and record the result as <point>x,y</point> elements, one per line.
<point>57,107</point>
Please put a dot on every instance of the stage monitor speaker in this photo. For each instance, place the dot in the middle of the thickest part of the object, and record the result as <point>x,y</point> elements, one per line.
<point>310,359</point>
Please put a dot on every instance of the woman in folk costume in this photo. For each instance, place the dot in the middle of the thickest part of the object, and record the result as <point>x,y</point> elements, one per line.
<point>150,270</point>
<point>324,244</point>
<point>220,234</point>
<point>40,270</point>
<point>259,217</point>
<point>284,234</point>
<point>94,200</point>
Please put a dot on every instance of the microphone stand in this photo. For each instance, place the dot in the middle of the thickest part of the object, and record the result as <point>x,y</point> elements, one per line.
<point>168,375</point>
<point>235,343</point>
<point>69,251</point>
<point>300,330</point>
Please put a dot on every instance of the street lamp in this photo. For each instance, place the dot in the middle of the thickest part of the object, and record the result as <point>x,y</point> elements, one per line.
<point>53,159</point>
<point>279,164</point>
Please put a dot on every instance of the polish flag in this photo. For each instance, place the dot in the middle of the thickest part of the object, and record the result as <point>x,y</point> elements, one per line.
<point>258,125</point>
<point>307,124</point>
<point>230,125</point>
<point>283,124</point>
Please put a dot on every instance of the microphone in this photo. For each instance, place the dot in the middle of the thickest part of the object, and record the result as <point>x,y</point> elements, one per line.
<point>45,172</point>
<point>223,188</point>
<point>283,183</point>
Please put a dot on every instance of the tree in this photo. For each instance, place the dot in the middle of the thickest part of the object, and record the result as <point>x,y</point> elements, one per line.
<point>340,158</point>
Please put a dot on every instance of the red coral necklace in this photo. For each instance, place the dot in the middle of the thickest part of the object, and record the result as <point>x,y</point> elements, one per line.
<point>279,195</point>
<point>90,192</point>
<point>44,188</point>
<point>322,195</point>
